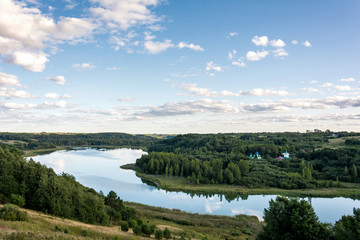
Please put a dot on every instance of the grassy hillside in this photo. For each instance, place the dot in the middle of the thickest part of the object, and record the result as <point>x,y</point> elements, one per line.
<point>194,226</point>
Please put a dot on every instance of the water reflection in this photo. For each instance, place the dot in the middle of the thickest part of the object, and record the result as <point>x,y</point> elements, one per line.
<point>100,170</point>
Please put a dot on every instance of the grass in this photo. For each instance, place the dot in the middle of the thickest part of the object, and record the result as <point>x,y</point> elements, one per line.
<point>350,190</point>
<point>194,226</point>
<point>197,226</point>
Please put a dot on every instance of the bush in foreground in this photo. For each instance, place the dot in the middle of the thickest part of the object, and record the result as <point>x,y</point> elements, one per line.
<point>12,213</point>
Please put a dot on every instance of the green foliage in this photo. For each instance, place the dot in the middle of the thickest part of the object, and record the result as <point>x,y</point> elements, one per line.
<point>348,227</point>
<point>11,212</point>
<point>223,159</point>
<point>17,200</point>
<point>124,226</point>
<point>30,184</point>
<point>159,234</point>
<point>167,233</point>
<point>137,230</point>
<point>292,219</point>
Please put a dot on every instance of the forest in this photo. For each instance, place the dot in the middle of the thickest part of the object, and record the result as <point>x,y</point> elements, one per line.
<point>31,141</point>
<point>225,159</point>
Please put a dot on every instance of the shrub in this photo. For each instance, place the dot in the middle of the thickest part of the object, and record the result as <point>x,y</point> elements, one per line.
<point>17,200</point>
<point>132,223</point>
<point>167,233</point>
<point>159,234</point>
<point>12,213</point>
<point>137,230</point>
<point>124,226</point>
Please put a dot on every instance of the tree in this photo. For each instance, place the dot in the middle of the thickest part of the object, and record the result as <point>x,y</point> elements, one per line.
<point>159,234</point>
<point>348,227</point>
<point>291,219</point>
<point>167,233</point>
<point>124,226</point>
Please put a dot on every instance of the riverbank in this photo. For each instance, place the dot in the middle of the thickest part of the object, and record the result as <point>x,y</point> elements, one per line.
<point>349,190</point>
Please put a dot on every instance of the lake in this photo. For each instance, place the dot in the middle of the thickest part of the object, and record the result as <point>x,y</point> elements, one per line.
<point>100,170</point>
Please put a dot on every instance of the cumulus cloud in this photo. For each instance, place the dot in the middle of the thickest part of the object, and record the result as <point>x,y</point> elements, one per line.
<point>212,66</point>
<point>60,80</point>
<point>260,41</point>
<point>343,87</point>
<point>188,108</point>
<point>56,96</point>
<point>286,104</point>
<point>238,63</point>
<point>311,90</point>
<point>277,43</point>
<point>83,66</point>
<point>157,47</point>
<point>193,90</point>
<point>194,47</point>
<point>123,14</point>
<point>347,79</point>
<point>12,92</point>
<point>25,33</point>
<point>26,106</point>
<point>256,56</point>
<point>306,44</point>
<point>280,52</point>
<point>31,61</point>
<point>295,42</point>
<point>8,80</point>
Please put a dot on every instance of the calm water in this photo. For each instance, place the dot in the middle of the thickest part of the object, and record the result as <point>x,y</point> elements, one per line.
<point>100,170</point>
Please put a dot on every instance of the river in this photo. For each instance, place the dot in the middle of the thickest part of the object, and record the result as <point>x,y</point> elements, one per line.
<point>100,170</point>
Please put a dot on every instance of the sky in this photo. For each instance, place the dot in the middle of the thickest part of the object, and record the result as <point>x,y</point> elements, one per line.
<point>175,67</point>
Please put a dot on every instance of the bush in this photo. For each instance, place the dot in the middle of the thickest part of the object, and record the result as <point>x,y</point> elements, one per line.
<point>17,200</point>
<point>12,213</point>
<point>137,230</point>
<point>132,223</point>
<point>124,226</point>
<point>159,234</point>
<point>167,233</point>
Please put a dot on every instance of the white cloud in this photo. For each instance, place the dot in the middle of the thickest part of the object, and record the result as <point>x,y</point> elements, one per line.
<point>238,63</point>
<point>311,90</point>
<point>166,80</point>
<point>8,80</point>
<point>347,79</point>
<point>56,96</point>
<point>280,52</point>
<point>232,54</point>
<point>12,92</point>
<point>149,36</point>
<point>127,99</point>
<point>123,14</point>
<point>187,108</point>
<point>212,66</point>
<point>232,34</point>
<point>306,44</point>
<point>256,56</point>
<point>25,34</point>
<point>313,81</point>
<point>60,80</point>
<point>193,90</point>
<point>157,47</point>
<point>194,47</point>
<point>295,42</point>
<point>260,41</point>
<point>277,43</point>
<point>83,66</point>
<point>343,87</point>
<point>328,84</point>
<point>31,61</point>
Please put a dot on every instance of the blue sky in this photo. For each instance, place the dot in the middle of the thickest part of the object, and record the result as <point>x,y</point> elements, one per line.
<point>157,66</point>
